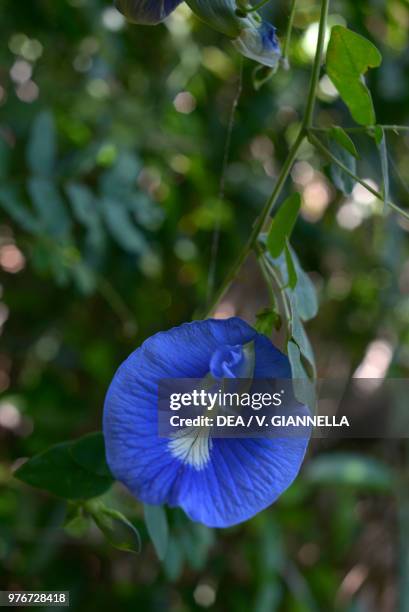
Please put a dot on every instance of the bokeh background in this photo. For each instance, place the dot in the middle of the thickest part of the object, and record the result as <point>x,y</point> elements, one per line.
<point>112,139</point>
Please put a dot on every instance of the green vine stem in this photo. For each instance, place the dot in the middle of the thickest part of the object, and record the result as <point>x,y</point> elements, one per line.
<point>286,169</point>
<point>286,49</point>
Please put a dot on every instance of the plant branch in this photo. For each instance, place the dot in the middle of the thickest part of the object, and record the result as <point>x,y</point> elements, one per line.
<point>323,149</point>
<point>309,113</point>
<point>363,130</point>
<point>287,42</point>
<point>285,171</point>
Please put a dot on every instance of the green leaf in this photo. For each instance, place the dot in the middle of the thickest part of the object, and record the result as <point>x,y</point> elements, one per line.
<point>89,453</point>
<point>349,56</point>
<point>56,471</point>
<point>50,207</point>
<point>342,138</point>
<point>41,148</point>
<point>304,294</point>
<point>157,526</point>
<point>10,202</point>
<point>350,470</point>
<point>85,209</point>
<point>267,320</point>
<point>118,530</point>
<point>292,272</point>
<point>341,179</point>
<point>304,388</point>
<point>294,355</point>
<point>283,224</point>
<point>299,335</point>
<point>118,221</point>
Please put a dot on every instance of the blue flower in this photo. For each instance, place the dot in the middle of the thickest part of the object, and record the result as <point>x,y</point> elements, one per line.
<point>252,37</point>
<point>217,481</point>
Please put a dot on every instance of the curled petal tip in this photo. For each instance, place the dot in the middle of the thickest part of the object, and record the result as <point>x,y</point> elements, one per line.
<point>259,42</point>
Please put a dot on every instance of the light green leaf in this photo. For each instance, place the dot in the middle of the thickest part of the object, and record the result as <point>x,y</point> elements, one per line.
<point>55,470</point>
<point>157,526</point>
<point>294,355</point>
<point>41,148</point>
<point>267,320</point>
<point>349,56</point>
<point>341,179</point>
<point>304,294</point>
<point>117,529</point>
<point>351,470</point>
<point>292,272</point>
<point>342,138</point>
<point>283,224</point>
<point>301,338</point>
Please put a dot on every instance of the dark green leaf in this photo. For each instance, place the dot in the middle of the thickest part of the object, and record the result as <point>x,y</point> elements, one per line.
<point>351,470</point>
<point>41,149</point>
<point>119,223</point>
<point>349,56</point>
<point>283,224</point>
<point>85,208</point>
<point>342,138</point>
<point>56,471</point>
<point>50,207</point>
<point>10,202</point>
<point>89,453</point>
<point>157,526</point>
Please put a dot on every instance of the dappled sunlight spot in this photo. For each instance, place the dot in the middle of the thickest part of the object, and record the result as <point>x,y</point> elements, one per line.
<point>261,148</point>
<point>98,88</point>
<point>112,19</point>
<point>339,285</point>
<point>204,595</point>
<point>12,259</point>
<point>327,88</point>
<point>302,173</point>
<point>217,62</point>
<point>374,366</point>
<point>28,92</point>
<point>361,195</point>
<point>184,102</point>
<point>21,71</point>
<point>352,582</point>
<point>349,216</point>
<point>315,199</point>
<point>10,416</point>
<point>180,164</point>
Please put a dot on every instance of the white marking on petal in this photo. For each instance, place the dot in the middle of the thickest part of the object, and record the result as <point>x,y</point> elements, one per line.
<point>192,445</point>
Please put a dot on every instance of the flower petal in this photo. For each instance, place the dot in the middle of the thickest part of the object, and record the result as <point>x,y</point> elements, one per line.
<point>259,42</point>
<point>220,482</point>
<point>147,12</point>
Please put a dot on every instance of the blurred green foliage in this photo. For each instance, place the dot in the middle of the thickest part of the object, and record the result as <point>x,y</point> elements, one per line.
<point>112,143</point>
